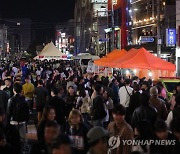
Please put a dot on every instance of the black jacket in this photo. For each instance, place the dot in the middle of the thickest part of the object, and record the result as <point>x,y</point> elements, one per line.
<point>7,149</point>
<point>9,91</point>
<point>59,106</point>
<point>12,107</point>
<point>169,149</point>
<point>98,110</point>
<point>40,97</point>
<point>39,148</point>
<point>134,102</point>
<point>40,130</point>
<point>176,113</point>
<point>12,137</point>
<point>144,112</point>
<point>3,100</point>
<point>78,137</point>
<point>70,103</point>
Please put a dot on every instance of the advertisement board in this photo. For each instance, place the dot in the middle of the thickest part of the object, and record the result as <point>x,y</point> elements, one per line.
<point>171,37</point>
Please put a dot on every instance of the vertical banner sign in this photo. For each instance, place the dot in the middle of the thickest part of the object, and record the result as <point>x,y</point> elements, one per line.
<point>171,37</point>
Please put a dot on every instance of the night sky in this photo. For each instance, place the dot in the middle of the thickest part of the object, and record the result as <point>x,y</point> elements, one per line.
<point>38,10</point>
<point>45,14</point>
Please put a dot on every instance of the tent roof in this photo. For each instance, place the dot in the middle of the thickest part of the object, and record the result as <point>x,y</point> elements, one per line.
<point>109,57</point>
<point>50,52</point>
<point>142,59</point>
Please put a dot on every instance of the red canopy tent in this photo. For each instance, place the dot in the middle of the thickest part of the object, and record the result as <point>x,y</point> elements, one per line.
<point>141,59</point>
<point>110,57</point>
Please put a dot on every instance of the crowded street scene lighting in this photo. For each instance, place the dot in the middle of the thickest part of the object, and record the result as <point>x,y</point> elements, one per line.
<point>90,77</point>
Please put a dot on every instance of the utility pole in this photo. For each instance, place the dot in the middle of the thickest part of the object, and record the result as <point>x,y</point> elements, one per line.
<point>158,30</point>
<point>112,18</point>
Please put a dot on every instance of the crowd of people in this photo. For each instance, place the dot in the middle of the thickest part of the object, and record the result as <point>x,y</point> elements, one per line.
<point>80,112</point>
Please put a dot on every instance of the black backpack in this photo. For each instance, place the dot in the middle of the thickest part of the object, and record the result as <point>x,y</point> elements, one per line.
<point>21,111</point>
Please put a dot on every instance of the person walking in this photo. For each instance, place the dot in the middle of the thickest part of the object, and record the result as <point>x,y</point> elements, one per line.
<point>120,130</point>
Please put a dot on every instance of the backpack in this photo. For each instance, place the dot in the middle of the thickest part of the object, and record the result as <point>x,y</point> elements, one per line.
<point>21,111</point>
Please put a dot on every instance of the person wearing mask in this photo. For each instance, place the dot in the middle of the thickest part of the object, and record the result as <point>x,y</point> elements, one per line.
<point>98,112</point>
<point>28,92</point>
<point>8,87</point>
<point>11,133</point>
<point>144,112</point>
<point>59,105</point>
<point>121,130</point>
<point>76,130</point>
<point>97,140</point>
<point>48,115</point>
<point>40,95</point>
<point>158,104</point>
<point>62,145</point>
<point>162,134</point>
<point>125,93</point>
<point>51,133</point>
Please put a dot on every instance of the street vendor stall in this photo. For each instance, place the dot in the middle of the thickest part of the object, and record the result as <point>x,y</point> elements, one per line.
<point>145,64</point>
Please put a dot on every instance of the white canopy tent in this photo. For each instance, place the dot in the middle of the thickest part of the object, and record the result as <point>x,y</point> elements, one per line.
<point>51,52</point>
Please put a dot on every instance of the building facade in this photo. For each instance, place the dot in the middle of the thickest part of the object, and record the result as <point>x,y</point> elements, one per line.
<point>118,9</point>
<point>65,37</point>
<point>91,19</point>
<point>143,21</point>
<point>178,37</point>
<point>3,39</point>
<point>18,34</point>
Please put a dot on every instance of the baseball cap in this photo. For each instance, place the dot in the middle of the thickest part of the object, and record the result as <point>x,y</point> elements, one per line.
<point>97,133</point>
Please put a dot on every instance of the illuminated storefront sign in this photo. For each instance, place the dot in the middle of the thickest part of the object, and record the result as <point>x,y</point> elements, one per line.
<point>171,37</point>
<point>146,39</point>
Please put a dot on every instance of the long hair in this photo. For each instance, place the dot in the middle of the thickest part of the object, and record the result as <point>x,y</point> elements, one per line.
<point>74,112</point>
<point>46,112</point>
